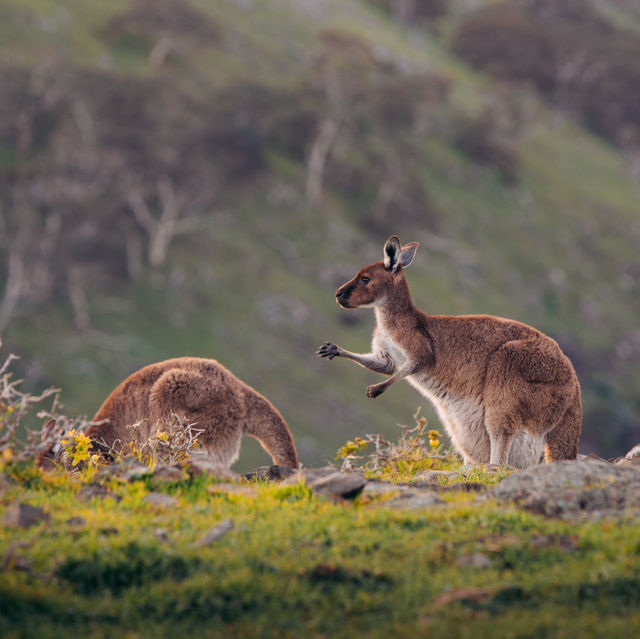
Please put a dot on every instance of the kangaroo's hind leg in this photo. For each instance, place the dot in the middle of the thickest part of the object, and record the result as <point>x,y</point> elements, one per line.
<point>204,402</point>
<point>529,386</point>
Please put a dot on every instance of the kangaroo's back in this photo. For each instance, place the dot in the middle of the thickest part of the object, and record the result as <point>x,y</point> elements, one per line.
<point>202,392</point>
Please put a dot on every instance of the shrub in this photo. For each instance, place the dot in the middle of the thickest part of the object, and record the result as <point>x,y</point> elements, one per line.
<point>568,52</point>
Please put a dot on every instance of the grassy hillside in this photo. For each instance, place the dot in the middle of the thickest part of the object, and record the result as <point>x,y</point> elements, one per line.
<point>128,562</point>
<point>521,209</point>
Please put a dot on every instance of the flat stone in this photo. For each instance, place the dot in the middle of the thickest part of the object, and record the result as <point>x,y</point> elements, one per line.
<point>270,473</point>
<point>329,482</point>
<point>161,500</point>
<point>96,491</point>
<point>433,477</point>
<point>76,522</point>
<point>310,475</point>
<point>215,533</point>
<point>165,473</point>
<point>25,516</point>
<point>136,471</point>
<point>376,487</point>
<point>415,500</point>
<point>571,488</point>
<point>127,467</point>
<point>203,466</point>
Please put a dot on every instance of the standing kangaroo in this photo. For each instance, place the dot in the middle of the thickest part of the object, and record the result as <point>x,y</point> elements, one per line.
<point>504,391</point>
<point>204,393</point>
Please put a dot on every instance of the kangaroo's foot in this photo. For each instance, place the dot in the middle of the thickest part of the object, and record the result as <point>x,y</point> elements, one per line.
<point>376,389</point>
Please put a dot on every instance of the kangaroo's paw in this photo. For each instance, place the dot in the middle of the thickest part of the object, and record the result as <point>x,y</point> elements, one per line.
<point>328,349</point>
<point>374,390</point>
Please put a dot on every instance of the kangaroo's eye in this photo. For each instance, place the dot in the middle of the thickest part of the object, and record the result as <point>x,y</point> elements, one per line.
<point>365,280</point>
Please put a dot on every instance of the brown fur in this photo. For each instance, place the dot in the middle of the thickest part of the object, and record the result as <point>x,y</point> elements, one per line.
<point>502,389</point>
<point>201,391</point>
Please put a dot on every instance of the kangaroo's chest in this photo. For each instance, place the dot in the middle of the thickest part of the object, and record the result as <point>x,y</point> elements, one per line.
<point>384,344</point>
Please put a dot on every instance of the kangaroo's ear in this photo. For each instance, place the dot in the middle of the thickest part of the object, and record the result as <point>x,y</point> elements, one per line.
<point>392,254</point>
<point>408,253</point>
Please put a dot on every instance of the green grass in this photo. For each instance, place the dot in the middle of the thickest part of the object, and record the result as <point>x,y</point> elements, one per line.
<point>296,564</point>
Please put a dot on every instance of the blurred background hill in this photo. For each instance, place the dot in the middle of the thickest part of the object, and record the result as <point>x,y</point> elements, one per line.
<point>197,177</point>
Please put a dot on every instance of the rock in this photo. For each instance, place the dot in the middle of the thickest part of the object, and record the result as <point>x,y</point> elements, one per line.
<point>215,533</point>
<point>96,491</point>
<point>161,500</point>
<point>340,485</point>
<point>136,471</point>
<point>310,475</point>
<point>329,482</point>
<point>76,522</point>
<point>128,468</point>
<point>377,487</point>
<point>270,473</point>
<point>415,500</point>
<point>204,466</point>
<point>25,516</point>
<point>233,489</point>
<point>411,496</point>
<point>475,560</point>
<point>165,473</point>
<point>433,477</point>
<point>571,488</point>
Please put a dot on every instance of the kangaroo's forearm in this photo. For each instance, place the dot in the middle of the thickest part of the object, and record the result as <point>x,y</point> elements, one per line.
<point>379,364</point>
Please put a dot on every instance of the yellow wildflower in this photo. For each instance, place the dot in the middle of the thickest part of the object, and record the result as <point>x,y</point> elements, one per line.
<point>78,447</point>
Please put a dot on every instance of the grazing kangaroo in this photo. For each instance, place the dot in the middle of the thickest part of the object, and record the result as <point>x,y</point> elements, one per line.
<point>204,393</point>
<point>504,391</point>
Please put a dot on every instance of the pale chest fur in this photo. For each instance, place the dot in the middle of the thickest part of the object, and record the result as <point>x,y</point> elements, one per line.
<point>383,344</point>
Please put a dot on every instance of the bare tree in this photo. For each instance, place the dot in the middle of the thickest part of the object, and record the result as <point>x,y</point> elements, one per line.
<point>170,221</point>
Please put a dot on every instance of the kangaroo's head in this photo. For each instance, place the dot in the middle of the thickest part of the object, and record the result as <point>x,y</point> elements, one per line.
<point>373,283</point>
